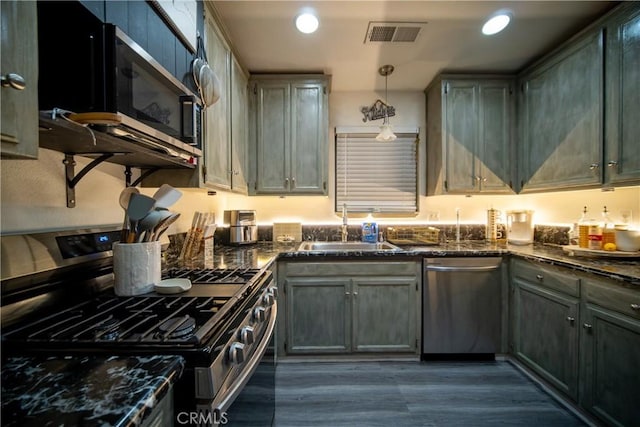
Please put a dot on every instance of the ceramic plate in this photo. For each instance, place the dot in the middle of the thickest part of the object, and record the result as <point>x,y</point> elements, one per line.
<point>173,286</point>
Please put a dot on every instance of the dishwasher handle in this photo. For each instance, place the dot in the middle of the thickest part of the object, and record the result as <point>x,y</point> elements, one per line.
<point>462,268</point>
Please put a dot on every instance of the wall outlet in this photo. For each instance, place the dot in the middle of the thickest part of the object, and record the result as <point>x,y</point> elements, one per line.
<point>434,216</point>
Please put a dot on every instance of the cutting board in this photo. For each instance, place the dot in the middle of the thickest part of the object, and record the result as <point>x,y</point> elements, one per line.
<point>578,251</point>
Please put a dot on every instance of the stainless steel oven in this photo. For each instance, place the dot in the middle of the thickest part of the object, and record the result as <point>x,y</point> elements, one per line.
<point>222,326</point>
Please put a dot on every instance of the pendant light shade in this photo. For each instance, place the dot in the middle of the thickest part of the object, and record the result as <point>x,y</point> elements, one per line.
<point>386,132</point>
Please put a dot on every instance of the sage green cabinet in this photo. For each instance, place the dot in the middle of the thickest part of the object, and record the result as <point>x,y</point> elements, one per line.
<point>225,130</point>
<point>19,63</point>
<point>217,117</point>
<point>470,135</point>
<point>239,128</point>
<point>622,88</point>
<point>289,128</point>
<point>545,323</point>
<point>561,118</point>
<point>318,315</point>
<point>343,307</point>
<point>610,343</point>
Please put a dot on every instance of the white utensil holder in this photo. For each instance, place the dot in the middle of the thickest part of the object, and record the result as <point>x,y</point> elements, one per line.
<point>136,267</point>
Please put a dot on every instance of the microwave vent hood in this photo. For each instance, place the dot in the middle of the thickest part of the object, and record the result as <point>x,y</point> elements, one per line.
<point>152,128</point>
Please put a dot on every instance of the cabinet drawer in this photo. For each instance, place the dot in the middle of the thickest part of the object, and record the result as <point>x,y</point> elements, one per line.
<point>609,294</point>
<point>548,276</point>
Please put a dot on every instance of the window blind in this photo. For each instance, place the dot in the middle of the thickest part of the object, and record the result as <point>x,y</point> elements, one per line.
<point>376,176</point>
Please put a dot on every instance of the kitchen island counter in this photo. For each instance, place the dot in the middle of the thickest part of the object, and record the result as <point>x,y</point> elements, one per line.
<point>82,390</point>
<point>265,253</point>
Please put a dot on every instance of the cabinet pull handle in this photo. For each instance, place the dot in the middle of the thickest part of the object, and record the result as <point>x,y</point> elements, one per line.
<point>635,307</point>
<point>286,182</point>
<point>293,182</point>
<point>612,163</point>
<point>594,166</point>
<point>571,319</point>
<point>13,80</point>
<point>587,326</point>
<point>539,277</point>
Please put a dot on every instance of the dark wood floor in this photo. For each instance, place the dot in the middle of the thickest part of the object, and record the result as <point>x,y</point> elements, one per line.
<point>412,394</point>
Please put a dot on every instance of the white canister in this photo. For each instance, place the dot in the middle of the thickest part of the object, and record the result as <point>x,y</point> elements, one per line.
<point>136,267</point>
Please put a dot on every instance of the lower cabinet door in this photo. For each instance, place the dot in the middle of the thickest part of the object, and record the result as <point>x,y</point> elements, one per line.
<point>318,315</point>
<point>384,318</point>
<point>611,368</point>
<point>546,335</point>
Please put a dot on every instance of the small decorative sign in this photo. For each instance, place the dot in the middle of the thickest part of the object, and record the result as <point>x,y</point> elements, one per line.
<point>377,111</point>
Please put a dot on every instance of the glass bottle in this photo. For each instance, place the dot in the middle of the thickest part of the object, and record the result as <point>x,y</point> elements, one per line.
<point>608,229</point>
<point>583,230</point>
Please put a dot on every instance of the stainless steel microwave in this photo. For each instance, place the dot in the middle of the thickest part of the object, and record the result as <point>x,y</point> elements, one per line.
<point>86,65</point>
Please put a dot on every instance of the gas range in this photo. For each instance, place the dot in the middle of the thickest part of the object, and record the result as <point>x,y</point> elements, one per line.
<point>222,326</point>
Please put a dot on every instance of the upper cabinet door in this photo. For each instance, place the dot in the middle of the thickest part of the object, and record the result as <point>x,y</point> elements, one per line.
<point>495,152</point>
<point>308,138</point>
<point>622,88</point>
<point>239,127</point>
<point>217,146</point>
<point>460,135</point>
<point>19,71</point>
<point>272,117</point>
<point>561,119</point>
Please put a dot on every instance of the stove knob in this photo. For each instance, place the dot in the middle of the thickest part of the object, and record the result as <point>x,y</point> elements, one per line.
<point>236,353</point>
<point>259,314</point>
<point>268,298</point>
<point>274,291</point>
<point>246,335</point>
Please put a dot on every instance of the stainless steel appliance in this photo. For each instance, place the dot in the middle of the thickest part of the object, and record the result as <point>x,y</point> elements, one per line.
<point>105,71</point>
<point>242,226</point>
<point>462,307</point>
<point>57,298</point>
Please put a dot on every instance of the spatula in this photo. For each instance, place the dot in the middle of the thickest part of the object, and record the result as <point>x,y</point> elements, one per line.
<point>166,196</point>
<point>139,206</point>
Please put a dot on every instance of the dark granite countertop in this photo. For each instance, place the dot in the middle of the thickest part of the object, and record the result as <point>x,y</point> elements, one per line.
<point>263,254</point>
<point>87,391</point>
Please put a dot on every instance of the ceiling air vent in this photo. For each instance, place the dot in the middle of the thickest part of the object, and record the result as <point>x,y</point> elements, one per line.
<point>393,32</point>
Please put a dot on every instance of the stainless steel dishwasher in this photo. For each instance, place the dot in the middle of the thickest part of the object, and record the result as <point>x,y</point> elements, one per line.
<point>462,307</point>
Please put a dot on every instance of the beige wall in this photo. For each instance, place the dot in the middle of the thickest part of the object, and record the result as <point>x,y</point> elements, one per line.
<point>33,192</point>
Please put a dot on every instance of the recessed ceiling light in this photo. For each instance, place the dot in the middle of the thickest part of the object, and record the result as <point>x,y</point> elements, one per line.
<point>496,23</point>
<point>307,23</point>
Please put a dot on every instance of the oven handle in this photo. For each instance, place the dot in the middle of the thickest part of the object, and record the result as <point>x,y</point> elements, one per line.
<point>250,366</point>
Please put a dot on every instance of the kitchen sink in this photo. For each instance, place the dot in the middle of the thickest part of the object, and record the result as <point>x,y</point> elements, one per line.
<point>347,246</point>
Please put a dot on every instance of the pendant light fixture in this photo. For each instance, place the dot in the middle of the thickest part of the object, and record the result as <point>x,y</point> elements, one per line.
<point>386,133</point>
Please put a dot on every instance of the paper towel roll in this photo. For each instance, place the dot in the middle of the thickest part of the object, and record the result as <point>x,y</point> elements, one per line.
<point>136,267</point>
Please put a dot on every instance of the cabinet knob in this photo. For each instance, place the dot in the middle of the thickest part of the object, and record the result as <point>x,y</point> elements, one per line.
<point>612,163</point>
<point>594,166</point>
<point>13,80</point>
<point>588,326</point>
<point>293,182</point>
<point>355,294</point>
<point>347,293</point>
<point>571,319</point>
<point>286,182</point>
<point>635,307</point>
<point>539,277</point>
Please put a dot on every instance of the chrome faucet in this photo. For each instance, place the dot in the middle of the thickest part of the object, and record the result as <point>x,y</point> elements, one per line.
<point>344,232</point>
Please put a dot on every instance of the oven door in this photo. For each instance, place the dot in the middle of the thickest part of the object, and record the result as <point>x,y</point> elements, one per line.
<point>251,379</point>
